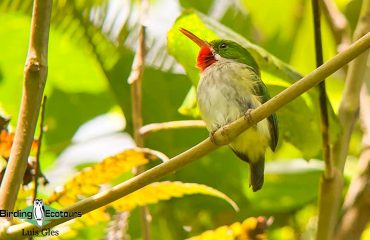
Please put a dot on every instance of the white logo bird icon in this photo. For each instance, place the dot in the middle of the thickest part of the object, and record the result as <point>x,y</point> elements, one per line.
<point>38,211</point>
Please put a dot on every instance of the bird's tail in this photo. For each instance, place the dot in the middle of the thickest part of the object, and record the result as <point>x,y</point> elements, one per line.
<point>257,170</point>
<point>257,174</point>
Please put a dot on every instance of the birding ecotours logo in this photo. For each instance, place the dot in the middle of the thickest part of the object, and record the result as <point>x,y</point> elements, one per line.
<point>39,214</point>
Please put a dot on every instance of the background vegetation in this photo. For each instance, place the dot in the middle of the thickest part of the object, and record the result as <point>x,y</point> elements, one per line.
<point>88,114</point>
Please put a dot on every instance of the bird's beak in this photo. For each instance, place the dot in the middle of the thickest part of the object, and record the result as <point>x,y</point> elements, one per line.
<point>200,42</point>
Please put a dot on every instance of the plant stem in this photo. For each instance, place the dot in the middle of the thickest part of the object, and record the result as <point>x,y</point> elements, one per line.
<point>330,194</point>
<point>223,135</point>
<point>357,203</point>
<point>33,88</point>
<point>37,159</point>
<point>156,127</point>
<point>328,174</point>
<point>349,106</point>
<point>135,79</point>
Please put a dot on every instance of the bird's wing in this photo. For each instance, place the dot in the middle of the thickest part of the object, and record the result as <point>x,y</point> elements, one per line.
<point>262,91</point>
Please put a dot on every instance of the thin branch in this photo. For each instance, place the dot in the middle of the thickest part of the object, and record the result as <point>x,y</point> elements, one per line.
<point>118,227</point>
<point>331,192</point>
<point>37,159</point>
<point>156,127</point>
<point>365,114</point>
<point>33,88</point>
<point>328,174</point>
<point>135,79</point>
<point>338,24</point>
<point>222,136</point>
<point>357,203</point>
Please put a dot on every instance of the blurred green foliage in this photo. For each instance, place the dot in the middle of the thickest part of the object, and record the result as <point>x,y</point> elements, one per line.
<point>90,55</point>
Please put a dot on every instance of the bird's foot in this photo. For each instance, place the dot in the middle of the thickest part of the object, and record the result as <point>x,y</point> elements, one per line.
<point>220,140</point>
<point>248,115</point>
<point>212,137</point>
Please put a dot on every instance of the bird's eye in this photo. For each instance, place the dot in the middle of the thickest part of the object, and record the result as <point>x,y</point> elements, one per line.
<point>223,45</point>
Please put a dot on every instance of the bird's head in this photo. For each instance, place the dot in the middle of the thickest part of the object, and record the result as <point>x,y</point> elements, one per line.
<point>211,52</point>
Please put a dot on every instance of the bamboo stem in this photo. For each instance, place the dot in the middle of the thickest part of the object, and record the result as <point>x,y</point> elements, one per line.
<point>33,88</point>
<point>135,79</point>
<point>357,202</point>
<point>330,194</point>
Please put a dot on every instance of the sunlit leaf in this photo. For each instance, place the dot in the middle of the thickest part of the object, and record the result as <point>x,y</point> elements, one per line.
<point>89,181</point>
<point>158,191</point>
<point>151,194</point>
<point>249,229</point>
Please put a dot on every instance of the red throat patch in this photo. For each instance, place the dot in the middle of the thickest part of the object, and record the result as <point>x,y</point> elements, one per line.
<point>205,58</point>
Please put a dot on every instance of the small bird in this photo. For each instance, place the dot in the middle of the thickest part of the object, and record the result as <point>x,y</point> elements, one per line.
<point>230,86</point>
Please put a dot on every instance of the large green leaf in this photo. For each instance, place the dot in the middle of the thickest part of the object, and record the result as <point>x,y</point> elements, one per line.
<point>275,73</point>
